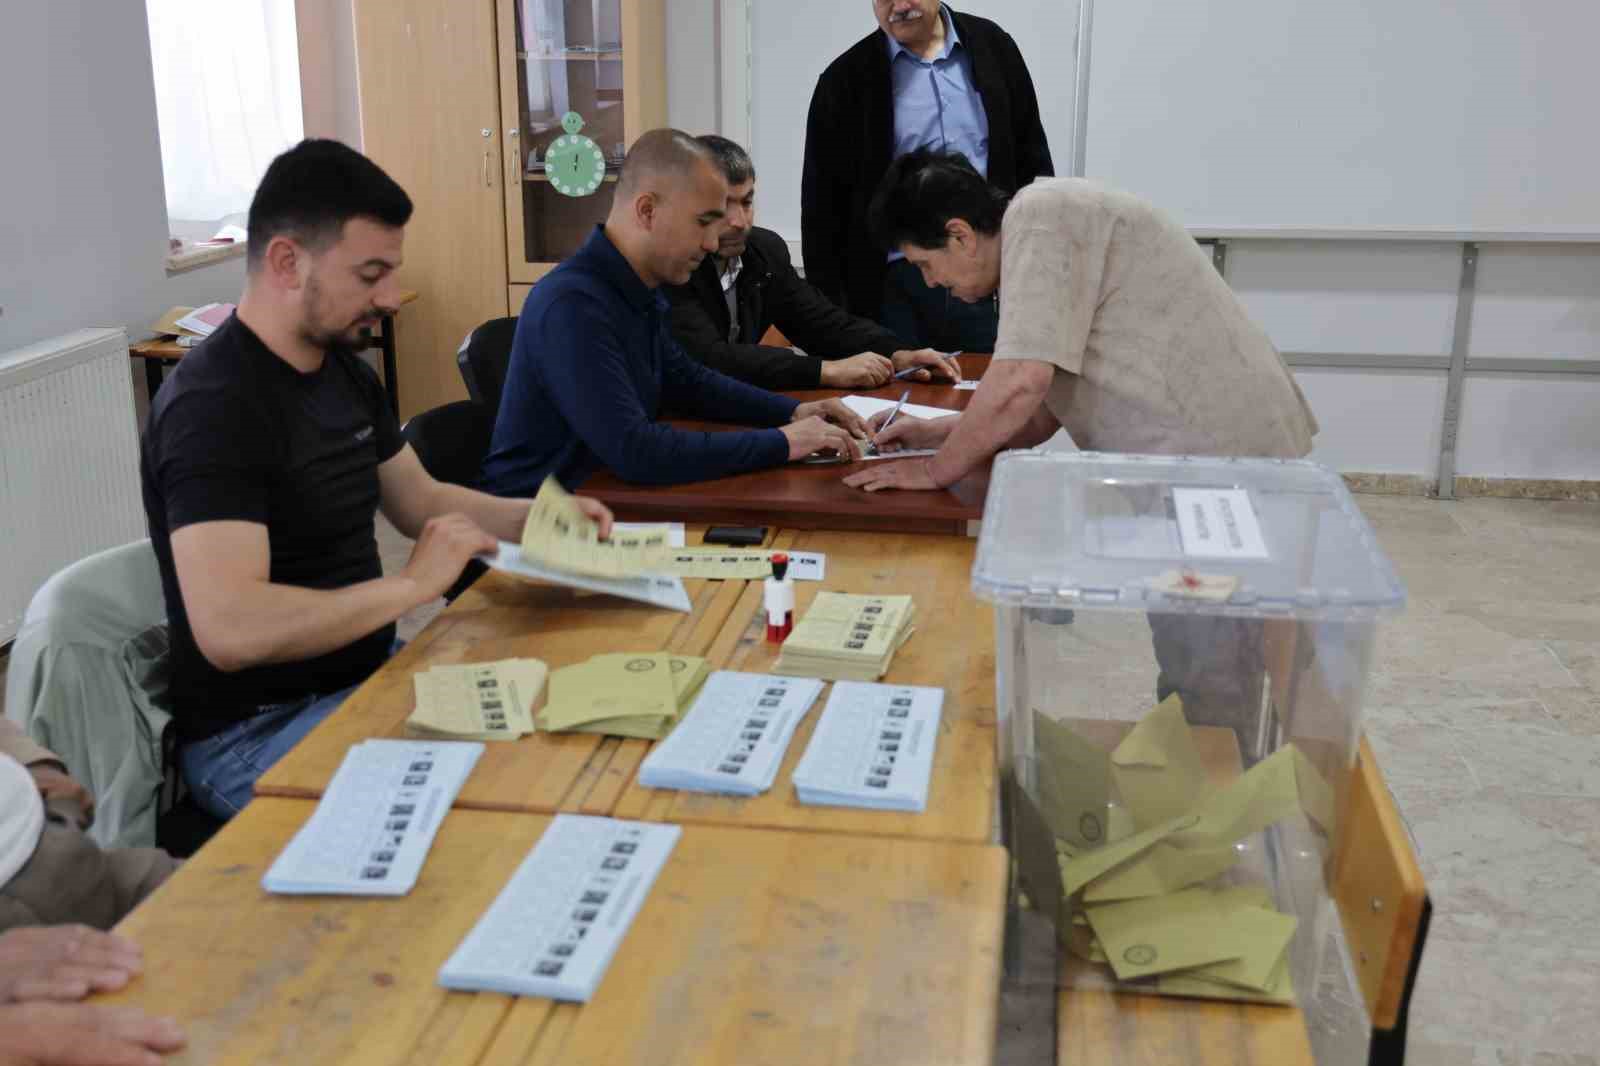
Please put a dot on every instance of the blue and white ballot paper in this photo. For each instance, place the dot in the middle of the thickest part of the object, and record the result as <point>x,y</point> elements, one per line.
<point>734,737</point>
<point>873,747</point>
<point>371,832</point>
<point>555,926</point>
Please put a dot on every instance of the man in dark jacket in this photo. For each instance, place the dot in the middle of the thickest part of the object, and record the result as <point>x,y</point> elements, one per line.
<point>929,77</point>
<point>748,285</point>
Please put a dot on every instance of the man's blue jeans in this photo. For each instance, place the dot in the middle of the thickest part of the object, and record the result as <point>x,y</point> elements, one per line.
<point>221,770</point>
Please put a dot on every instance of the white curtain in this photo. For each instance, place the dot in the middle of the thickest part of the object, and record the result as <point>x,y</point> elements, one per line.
<point>227,97</point>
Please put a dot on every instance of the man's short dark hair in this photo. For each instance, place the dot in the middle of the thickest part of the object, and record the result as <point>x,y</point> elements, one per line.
<point>732,159</point>
<point>313,189</point>
<point>923,190</point>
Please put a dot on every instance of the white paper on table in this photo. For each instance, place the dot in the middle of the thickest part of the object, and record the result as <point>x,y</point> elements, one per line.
<point>807,566</point>
<point>903,453</point>
<point>969,385</point>
<point>655,589</point>
<point>674,530</point>
<point>867,406</point>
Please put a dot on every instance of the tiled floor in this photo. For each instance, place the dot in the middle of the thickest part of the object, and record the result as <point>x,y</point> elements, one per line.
<point>1485,714</point>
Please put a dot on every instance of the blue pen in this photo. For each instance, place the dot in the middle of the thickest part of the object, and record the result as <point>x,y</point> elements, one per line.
<point>901,375</point>
<point>895,413</point>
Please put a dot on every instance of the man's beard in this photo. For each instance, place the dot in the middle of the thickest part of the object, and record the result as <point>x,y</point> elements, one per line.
<point>330,340</point>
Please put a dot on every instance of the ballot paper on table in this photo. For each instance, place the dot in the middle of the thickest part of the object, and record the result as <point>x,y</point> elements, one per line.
<point>867,406</point>
<point>903,453</point>
<point>844,637</point>
<point>478,701</point>
<point>372,829</point>
<point>1226,931</point>
<point>558,534</point>
<point>873,747</point>
<point>554,928</point>
<point>734,737</point>
<point>969,385</point>
<point>630,694</point>
<point>659,590</point>
<point>673,530</point>
<point>749,564</point>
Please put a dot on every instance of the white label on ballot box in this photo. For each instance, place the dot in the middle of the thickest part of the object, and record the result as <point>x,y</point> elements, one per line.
<point>554,927</point>
<point>1218,524</point>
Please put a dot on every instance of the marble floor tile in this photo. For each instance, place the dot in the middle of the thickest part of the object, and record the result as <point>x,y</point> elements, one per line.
<point>1581,659</point>
<point>1577,711</point>
<point>1535,998</point>
<point>1430,641</point>
<point>1528,759</point>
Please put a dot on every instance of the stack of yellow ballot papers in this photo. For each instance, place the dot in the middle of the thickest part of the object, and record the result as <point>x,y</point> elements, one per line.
<point>847,638</point>
<point>478,701</point>
<point>630,694</point>
<point>1142,853</point>
<point>561,536</point>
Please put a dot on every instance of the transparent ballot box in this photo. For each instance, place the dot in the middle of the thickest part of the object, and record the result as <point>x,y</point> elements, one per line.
<point>1183,648</point>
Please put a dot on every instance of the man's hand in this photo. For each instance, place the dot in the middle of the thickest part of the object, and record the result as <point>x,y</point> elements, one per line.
<point>836,412</point>
<point>64,962</point>
<point>446,545</point>
<point>909,431</point>
<point>906,474</point>
<point>931,365</point>
<point>865,371</point>
<point>56,784</point>
<point>53,1034</point>
<point>815,434</point>
<point>598,511</point>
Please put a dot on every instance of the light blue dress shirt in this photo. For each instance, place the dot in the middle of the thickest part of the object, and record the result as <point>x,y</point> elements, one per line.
<point>936,104</point>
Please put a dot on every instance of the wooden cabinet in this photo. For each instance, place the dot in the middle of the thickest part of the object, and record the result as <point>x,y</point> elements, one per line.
<point>604,60</point>
<point>454,96</point>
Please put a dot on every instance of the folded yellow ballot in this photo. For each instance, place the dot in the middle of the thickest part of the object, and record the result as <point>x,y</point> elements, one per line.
<point>630,684</point>
<point>560,535</point>
<point>478,701</point>
<point>1074,784</point>
<point>1157,767</point>
<point>688,674</point>
<point>1193,928</point>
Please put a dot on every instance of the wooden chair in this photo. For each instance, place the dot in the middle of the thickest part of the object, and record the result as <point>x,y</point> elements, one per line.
<point>1378,887</point>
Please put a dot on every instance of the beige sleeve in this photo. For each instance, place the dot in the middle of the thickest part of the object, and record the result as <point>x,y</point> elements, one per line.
<point>17,744</point>
<point>1049,287</point>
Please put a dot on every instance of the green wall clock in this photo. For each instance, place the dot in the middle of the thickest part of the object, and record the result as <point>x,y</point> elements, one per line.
<point>574,164</point>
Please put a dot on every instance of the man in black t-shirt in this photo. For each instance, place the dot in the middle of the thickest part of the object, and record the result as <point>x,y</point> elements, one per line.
<point>268,452</point>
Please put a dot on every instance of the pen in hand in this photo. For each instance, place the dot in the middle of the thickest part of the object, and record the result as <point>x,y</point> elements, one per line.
<point>887,422</point>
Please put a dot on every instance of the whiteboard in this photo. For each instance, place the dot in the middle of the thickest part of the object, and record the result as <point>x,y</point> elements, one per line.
<point>791,45</point>
<point>1351,114</point>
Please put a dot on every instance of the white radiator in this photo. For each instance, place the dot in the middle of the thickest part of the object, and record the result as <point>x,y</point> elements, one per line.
<point>69,460</point>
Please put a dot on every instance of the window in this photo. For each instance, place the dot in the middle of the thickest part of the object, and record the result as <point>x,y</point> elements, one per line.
<point>227,75</point>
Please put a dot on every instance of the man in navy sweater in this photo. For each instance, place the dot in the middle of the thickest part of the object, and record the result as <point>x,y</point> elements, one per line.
<point>594,364</point>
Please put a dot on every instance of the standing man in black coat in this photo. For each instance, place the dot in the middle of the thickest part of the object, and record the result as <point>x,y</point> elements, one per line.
<point>929,77</point>
<point>749,284</point>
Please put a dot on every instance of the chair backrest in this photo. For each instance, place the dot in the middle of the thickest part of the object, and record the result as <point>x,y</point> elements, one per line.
<point>484,358</point>
<point>452,440</point>
<point>88,679</point>
<point>1383,905</point>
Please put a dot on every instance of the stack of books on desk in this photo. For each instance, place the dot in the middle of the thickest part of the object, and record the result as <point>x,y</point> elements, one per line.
<point>734,737</point>
<point>629,694</point>
<point>847,638</point>
<point>478,701</point>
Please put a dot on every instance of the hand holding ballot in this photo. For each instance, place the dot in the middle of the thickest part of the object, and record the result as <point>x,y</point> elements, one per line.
<point>572,533</point>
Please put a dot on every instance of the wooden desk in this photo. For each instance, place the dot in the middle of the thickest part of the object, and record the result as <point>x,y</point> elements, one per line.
<point>801,496</point>
<point>953,648</point>
<point>158,354</point>
<point>753,947</point>
<point>501,617</point>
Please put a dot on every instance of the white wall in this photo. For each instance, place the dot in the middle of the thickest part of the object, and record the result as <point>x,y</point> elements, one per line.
<point>83,218</point>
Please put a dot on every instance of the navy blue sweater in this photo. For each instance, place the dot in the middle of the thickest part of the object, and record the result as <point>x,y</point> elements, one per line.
<point>592,367</point>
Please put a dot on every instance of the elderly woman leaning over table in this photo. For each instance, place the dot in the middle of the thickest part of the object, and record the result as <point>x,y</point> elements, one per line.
<point>1115,327</point>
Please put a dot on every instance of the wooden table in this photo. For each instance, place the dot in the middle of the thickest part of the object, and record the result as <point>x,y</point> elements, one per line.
<point>501,617</point>
<point>158,354</point>
<point>953,649</point>
<point>753,947</point>
<point>803,496</point>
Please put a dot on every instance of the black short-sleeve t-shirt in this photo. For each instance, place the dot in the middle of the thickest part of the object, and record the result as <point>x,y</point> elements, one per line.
<point>237,434</point>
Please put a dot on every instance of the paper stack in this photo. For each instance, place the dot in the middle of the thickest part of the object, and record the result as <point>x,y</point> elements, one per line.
<point>478,701</point>
<point>873,747</point>
<point>847,638</point>
<point>628,694</point>
<point>734,737</point>
<point>561,536</point>
<point>375,823</point>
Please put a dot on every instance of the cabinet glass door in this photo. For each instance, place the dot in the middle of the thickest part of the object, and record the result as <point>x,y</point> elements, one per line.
<point>569,136</point>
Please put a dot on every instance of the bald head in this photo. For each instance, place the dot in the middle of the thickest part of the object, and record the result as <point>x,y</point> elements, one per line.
<point>669,209</point>
<point>659,160</point>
